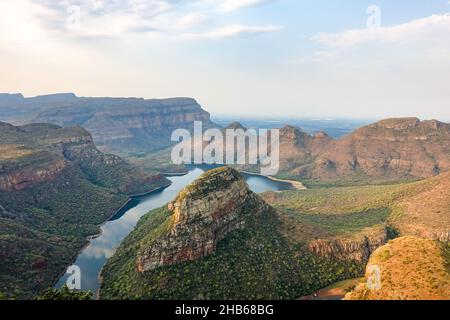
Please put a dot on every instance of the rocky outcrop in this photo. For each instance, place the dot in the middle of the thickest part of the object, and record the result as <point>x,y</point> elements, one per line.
<point>202,215</point>
<point>358,248</point>
<point>117,124</point>
<point>27,177</point>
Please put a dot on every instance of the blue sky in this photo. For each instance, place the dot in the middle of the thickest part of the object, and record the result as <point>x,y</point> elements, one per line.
<point>264,57</point>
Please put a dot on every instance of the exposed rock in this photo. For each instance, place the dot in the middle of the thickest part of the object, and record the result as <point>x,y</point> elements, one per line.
<point>40,153</point>
<point>27,177</point>
<point>406,268</point>
<point>116,124</point>
<point>358,248</point>
<point>203,214</point>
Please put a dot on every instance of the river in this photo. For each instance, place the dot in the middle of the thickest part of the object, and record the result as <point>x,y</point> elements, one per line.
<point>92,258</point>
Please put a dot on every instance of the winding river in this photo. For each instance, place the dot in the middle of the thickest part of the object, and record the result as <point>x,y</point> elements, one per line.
<point>92,258</point>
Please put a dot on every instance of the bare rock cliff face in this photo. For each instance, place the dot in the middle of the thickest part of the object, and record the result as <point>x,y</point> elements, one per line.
<point>25,178</point>
<point>203,214</point>
<point>128,124</point>
<point>358,248</point>
<point>40,153</point>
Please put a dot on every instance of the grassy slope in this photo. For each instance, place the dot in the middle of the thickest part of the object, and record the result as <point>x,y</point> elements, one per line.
<point>43,227</point>
<point>411,268</point>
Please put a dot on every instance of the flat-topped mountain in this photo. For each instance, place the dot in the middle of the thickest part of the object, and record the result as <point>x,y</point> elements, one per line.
<point>118,125</point>
<point>56,188</point>
<point>389,150</point>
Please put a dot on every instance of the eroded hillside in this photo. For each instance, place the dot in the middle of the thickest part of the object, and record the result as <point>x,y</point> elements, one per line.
<point>56,187</point>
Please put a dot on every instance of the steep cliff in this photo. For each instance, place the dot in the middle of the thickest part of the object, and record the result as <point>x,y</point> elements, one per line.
<point>119,125</point>
<point>389,150</point>
<point>56,187</point>
<point>202,215</point>
<point>129,125</point>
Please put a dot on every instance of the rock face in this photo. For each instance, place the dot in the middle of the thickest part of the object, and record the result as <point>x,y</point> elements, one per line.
<point>358,249</point>
<point>129,125</point>
<point>387,150</point>
<point>39,153</point>
<point>202,215</point>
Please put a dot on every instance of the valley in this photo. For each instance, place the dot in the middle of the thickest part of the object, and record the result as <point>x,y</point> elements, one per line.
<point>92,258</point>
<point>96,187</point>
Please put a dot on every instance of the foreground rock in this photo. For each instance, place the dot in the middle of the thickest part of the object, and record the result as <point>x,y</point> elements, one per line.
<point>406,268</point>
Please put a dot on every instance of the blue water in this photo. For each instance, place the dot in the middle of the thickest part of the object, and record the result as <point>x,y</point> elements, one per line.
<point>94,255</point>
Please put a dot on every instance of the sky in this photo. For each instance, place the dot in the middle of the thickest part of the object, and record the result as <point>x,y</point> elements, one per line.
<point>294,58</point>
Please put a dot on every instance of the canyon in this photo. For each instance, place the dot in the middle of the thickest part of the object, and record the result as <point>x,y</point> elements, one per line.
<point>56,188</point>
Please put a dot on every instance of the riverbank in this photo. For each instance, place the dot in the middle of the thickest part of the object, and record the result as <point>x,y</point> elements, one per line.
<point>296,185</point>
<point>99,227</point>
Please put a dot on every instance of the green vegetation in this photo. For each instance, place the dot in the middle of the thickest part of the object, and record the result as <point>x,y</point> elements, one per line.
<point>44,227</point>
<point>64,294</point>
<point>157,161</point>
<point>352,180</point>
<point>446,255</point>
<point>340,224</point>
<point>44,224</point>
<point>254,263</point>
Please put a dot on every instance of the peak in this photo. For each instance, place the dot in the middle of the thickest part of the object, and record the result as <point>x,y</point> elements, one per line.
<point>236,125</point>
<point>398,123</point>
<point>321,135</point>
<point>210,182</point>
<point>292,129</point>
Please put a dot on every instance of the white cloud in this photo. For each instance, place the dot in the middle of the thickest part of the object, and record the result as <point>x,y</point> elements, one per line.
<point>190,20</point>
<point>435,28</point>
<point>111,18</point>
<point>233,5</point>
<point>232,31</point>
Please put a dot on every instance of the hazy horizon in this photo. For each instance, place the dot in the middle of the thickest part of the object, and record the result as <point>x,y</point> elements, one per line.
<point>311,59</point>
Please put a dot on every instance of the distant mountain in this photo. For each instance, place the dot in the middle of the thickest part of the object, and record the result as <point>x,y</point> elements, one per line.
<point>119,125</point>
<point>18,109</point>
<point>409,268</point>
<point>389,150</point>
<point>56,188</point>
